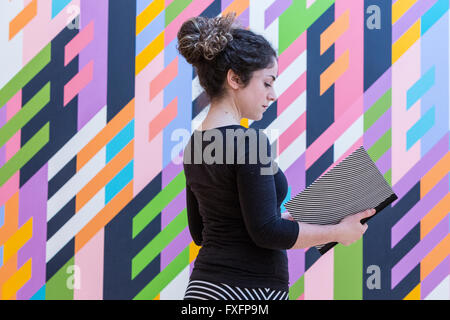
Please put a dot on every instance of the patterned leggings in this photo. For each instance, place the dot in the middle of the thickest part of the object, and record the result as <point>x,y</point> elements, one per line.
<point>207,290</point>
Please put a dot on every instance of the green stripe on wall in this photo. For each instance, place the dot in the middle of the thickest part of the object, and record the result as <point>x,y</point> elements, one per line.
<point>24,155</point>
<point>377,109</point>
<point>28,111</point>
<point>296,19</point>
<point>297,289</point>
<point>158,243</point>
<point>60,286</point>
<point>381,146</point>
<point>25,75</point>
<point>388,176</point>
<point>174,9</point>
<point>158,203</point>
<point>154,287</point>
<point>348,271</point>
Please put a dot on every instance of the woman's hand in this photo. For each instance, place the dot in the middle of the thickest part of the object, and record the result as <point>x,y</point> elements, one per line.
<point>286,215</point>
<point>350,228</point>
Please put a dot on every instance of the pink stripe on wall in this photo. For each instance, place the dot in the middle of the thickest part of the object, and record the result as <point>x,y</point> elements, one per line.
<point>195,8</point>
<point>43,29</point>
<point>350,85</point>
<point>319,278</point>
<point>291,53</point>
<point>78,82</point>
<point>292,133</point>
<point>327,139</point>
<point>163,119</point>
<point>93,97</point>
<point>11,147</point>
<point>405,72</point>
<point>291,93</point>
<point>78,43</point>
<point>33,197</point>
<point>147,155</point>
<point>89,265</point>
<point>164,78</point>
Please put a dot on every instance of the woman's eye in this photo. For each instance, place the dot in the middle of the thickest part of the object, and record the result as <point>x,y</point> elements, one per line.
<point>267,85</point>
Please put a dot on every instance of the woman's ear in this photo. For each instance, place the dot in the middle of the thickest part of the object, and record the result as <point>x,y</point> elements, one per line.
<point>233,79</point>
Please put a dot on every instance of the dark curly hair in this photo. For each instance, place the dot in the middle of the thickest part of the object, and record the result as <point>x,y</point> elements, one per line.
<point>215,45</point>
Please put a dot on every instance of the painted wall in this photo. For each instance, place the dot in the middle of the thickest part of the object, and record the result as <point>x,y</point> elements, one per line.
<point>95,103</point>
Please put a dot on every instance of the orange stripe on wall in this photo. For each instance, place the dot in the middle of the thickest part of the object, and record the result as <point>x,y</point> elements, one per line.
<point>435,257</point>
<point>11,222</point>
<point>22,19</point>
<point>238,6</point>
<point>111,209</point>
<point>333,72</point>
<point>434,216</point>
<point>164,78</point>
<point>111,169</point>
<point>163,119</point>
<point>7,270</point>
<point>334,31</point>
<point>103,137</point>
<point>432,177</point>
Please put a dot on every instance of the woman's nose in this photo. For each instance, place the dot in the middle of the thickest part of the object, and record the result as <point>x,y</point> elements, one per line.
<point>273,96</point>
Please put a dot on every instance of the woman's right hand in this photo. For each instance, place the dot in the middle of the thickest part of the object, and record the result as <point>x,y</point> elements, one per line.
<point>350,228</point>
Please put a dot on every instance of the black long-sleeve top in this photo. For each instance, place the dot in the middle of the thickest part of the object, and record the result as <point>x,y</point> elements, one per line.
<point>233,209</point>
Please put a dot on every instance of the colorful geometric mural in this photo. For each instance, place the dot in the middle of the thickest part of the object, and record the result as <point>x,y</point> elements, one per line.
<point>96,105</point>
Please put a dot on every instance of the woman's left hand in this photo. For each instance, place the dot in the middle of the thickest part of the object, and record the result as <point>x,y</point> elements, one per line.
<point>286,215</point>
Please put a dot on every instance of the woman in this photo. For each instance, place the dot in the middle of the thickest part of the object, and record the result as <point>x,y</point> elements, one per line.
<point>233,205</point>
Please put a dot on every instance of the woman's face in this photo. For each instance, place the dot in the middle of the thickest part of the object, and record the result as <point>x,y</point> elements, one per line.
<point>253,100</point>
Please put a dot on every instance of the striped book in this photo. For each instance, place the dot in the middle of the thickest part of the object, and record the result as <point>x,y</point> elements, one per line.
<point>353,185</point>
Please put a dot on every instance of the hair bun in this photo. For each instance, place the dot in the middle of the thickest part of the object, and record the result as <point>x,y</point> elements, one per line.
<point>202,37</point>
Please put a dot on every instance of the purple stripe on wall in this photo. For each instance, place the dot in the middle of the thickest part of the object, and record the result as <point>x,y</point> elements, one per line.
<point>377,89</point>
<point>175,247</point>
<point>435,278</point>
<point>420,250</point>
<point>93,97</point>
<point>419,211</point>
<point>295,175</point>
<point>384,163</point>
<point>170,172</point>
<point>245,18</point>
<point>2,123</point>
<point>378,129</point>
<point>225,4</point>
<point>410,17</point>
<point>275,10</point>
<point>296,264</point>
<point>33,203</point>
<point>421,168</point>
<point>173,209</point>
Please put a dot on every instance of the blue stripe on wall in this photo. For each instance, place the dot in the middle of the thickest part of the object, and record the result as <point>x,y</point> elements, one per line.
<point>419,88</point>
<point>430,17</point>
<point>58,6</point>
<point>420,128</point>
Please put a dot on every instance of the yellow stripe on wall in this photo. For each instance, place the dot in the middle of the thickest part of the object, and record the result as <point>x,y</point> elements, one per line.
<point>149,53</point>
<point>148,14</point>
<point>400,7</point>
<point>18,239</point>
<point>17,281</point>
<point>405,41</point>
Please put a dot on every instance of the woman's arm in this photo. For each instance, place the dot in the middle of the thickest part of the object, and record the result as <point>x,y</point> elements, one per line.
<point>195,222</point>
<point>346,232</point>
